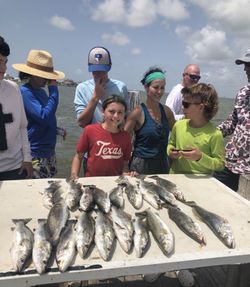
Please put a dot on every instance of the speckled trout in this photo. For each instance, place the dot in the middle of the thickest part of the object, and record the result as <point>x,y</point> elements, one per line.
<point>22,244</point>
<point>219,225</point>
<point>186,224</point>
<point>42,246</point>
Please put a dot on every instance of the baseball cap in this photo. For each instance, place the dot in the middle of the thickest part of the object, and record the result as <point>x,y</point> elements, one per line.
<point>244,59</point>
<point>99,60</point>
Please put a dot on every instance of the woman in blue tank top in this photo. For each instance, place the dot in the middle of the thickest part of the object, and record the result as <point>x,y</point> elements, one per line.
<point>150,123</point>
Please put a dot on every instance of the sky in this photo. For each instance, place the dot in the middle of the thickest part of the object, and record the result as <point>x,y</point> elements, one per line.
<point>138,33</point>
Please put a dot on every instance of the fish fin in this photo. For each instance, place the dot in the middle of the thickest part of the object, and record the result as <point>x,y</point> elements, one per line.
<point>24,220</point>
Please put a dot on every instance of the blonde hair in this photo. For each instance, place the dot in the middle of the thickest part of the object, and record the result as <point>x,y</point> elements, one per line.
<point>205,94</point>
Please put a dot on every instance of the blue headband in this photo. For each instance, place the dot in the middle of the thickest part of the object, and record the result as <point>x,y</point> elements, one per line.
<point>154,76</point>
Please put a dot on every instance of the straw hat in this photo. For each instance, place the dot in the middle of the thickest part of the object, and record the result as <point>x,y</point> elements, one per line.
<point>39,63</point>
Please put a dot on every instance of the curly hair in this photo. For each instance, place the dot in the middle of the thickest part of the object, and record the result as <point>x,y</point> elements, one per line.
<point>205,94</point>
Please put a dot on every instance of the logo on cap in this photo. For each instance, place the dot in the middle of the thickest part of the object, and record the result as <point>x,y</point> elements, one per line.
<point>98,57</point>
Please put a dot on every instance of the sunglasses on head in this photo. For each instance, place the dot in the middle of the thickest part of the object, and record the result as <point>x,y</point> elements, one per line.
<point>194,77</point>
<point>186,105</point>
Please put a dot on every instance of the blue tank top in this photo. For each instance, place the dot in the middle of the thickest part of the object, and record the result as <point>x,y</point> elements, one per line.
<point>152,138</point>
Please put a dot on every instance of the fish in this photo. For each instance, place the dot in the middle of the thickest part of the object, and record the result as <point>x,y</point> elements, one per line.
<point>123,227</point>
<point>102,199</point>
<point>73,195</point>
<point>42,246</point>
<point>104,235</point>
<point>161,232</point>
<point>85,231</point>
<point>51,194</point>
<point>149,194</point>
<point>219,225</point>
<point>164,195</point>
<point>134,195</point>
<point>87,198</point>
<point>57,218</point>
<point>169,186</point>
<point>186,224</point>
<point>116,196</point>
<point>66,248</point>
<point>141,236</point>
<point>22,244</point>
<point>133,192</point>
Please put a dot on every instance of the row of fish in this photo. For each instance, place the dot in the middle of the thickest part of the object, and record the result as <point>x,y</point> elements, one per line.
<point>78,235</point>
<point>85,197</point>
<point>66,236</point>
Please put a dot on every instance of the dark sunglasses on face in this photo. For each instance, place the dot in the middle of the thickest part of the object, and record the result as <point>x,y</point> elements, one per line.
<point>194,77</point>
<point>247,65</point>
<point>186,105</point>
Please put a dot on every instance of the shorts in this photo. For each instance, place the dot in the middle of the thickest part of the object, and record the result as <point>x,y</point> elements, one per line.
<point>229,178</point>
<point>44,167</point>
<point>149,165</point>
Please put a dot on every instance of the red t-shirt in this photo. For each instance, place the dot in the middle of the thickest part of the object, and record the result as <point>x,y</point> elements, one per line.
<point>106,151</point>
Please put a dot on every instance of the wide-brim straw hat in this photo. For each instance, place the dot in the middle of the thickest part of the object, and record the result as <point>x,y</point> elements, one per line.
<point>39,63</point>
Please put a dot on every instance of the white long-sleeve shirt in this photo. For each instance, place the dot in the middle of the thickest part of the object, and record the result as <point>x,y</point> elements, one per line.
<point>174,101</point>
<point>18,148</point>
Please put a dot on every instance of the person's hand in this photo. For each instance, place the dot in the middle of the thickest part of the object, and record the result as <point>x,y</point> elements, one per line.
<point>130,173</point>
<point>191,154</point>
<point>174,153</point>
<point>74,176</point>
<point>52,83</point>
<point>99,88</point>
<point>28,167</point>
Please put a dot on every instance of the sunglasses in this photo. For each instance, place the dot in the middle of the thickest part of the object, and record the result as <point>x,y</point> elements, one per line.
<point>247,65</point>
<point>186,105</point>
<point>194,77</point>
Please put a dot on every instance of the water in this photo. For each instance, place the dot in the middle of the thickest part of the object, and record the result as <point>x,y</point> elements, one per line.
<point>66,117</point>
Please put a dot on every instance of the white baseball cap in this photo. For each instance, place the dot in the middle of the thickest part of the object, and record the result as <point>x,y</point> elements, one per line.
<point>99,60</point>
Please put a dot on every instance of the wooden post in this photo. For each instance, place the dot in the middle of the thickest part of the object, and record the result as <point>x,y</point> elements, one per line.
<point>134,99</point>
<point>239,275</point>
<point>244,186</point>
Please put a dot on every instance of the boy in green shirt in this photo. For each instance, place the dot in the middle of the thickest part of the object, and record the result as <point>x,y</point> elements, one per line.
<point>195,145</point>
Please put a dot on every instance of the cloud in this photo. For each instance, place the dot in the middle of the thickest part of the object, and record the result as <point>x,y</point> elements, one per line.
<point>136,51</point>
<point>173,10</point>
<point>61,23</point>
<point>117,39</point>
<point>138,13</point>
<point>232,15</point>
<point>207,45</point>
<point>182,31</point>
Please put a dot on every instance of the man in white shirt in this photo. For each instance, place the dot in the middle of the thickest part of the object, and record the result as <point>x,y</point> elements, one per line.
<point>15,158</point>
<point>190,76</point>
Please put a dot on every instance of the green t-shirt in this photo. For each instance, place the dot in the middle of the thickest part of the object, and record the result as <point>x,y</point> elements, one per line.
<point>208,139</point>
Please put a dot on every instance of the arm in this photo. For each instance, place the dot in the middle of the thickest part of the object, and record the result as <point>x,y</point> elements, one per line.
<point>76,165</point>
<point>214,160</point>
<point>85,117</point>
<point>228,126</point>
<point>133,121</point>
<point>34,109</point>
<point>170,117</point>
<point>172,144</point>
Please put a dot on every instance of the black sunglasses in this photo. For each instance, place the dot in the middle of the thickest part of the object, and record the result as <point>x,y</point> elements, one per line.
<point>186,105</point>
<point>247,65</point>
<point>194,77</point>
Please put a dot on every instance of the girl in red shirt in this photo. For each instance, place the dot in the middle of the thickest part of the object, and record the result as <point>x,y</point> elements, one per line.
<point>108,147</point>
